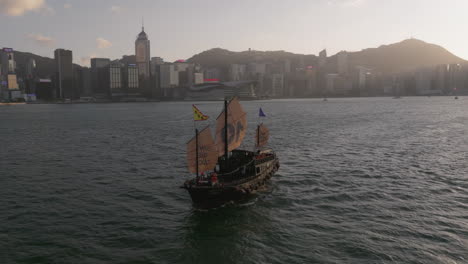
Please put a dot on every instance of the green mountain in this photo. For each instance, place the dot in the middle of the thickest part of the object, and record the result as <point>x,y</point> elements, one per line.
<point>404,56</point>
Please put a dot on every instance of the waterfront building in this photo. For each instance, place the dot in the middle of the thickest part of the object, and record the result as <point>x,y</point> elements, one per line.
<point>423,79</point>
<point>64,74</point>
<point>242,89</point>
<point>311,83</point>
<point>8,63</point>
<point>45,90</point>
<point>100,80</point>
<point>198,78</point>
<point>175,78</point>
<point>342,58</point>
<point>237,72</point>
<point>12,86</point>
<point>181,66</point>
<point>332,83</point>
<point>257,72</point>
<point>343,86</point>
<point>187,77</point>
<point>301,84</point>
<point>87,87</point>
<point>321,73</point>
<point>29,78</point>
<point>322,59</point>
<point>165,75</point>
<point>171,76</point>
<point>455,79</point>
<point>464,79</point>
<point>82,82</point>
<point>256,68</point>
<point>221,90</point>
<point>287,66</point>
<point>9,88</point>
<point>277,85</point>
<point>31,68</point>
<point>131,79</point>
<point>212,74</point>
<point>99,63</point>
<point>157,61</point>
<point>155,83</point>
<point>363,75</point>
<point>169,79</point>
<point>441,78</point>
<point>115,79</point>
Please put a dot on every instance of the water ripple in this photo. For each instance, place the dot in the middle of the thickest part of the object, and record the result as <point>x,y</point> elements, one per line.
<point>361,181</point>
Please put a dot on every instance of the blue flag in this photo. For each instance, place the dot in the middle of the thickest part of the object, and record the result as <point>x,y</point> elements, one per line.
<point>260,113</point>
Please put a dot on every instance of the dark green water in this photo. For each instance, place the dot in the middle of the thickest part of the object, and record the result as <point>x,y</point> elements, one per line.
<point>362,181</point>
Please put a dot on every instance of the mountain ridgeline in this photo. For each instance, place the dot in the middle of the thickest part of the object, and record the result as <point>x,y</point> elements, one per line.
<point>400,57</point>
<point>404,56</point>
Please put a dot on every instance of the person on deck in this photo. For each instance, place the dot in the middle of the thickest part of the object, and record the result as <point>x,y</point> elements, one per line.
<point>214,178</point>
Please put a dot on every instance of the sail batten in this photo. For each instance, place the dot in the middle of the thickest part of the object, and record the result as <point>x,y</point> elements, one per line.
<point>262,136</point>
<point>207,153</point>
<point>236,127</point>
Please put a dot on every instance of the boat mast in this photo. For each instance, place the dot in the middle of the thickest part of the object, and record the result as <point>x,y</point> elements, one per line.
<point>225,130</point>
<point>258,136</point>
<point>196,149</point>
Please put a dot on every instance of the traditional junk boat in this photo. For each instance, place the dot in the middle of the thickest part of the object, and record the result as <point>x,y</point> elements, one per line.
<point>223,172</point>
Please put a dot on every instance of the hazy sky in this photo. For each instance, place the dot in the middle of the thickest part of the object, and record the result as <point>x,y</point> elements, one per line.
<point>179,29</point>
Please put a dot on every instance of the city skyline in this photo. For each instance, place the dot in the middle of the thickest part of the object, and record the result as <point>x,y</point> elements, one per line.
<point>178,30</point>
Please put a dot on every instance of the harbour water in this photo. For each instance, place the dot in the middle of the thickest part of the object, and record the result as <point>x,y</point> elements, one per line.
<point>363,180</point>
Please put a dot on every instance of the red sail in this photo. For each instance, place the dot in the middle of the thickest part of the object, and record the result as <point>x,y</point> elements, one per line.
<point>262,136</point>
<point>207,154</point>
<point>236,127</point>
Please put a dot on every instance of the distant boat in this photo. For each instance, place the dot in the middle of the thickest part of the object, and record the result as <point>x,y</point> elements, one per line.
<point>396,88</point>
<point>223,172</point>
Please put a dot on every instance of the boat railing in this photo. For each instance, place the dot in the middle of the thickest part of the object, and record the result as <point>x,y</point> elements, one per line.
<point>237,174</point>
<point>265,159</point>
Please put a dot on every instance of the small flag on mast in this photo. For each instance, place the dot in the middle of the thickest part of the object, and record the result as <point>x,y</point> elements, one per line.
<point>198,115</point>
<point>260,113</point>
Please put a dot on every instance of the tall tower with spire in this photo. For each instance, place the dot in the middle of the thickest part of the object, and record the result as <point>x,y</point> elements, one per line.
<point>142,53</point>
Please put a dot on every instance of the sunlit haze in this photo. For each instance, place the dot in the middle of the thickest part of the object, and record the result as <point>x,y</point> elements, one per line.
<point>180,29</point>
<point>233,131</point>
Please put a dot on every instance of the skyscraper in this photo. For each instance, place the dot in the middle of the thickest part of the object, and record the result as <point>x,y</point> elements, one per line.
<point>64,73</point>
<point>142,54</point>
<point>31,74</point>
<point>7,62</point>
<point>8,74</point>
<point>155,86</point>
<point>130,79</point>
<point>322,58</point>
<point>321,74</point>
<point>342,62</point>
<point>82,82</point>
<point>115,74</point>
<point>100,80</point>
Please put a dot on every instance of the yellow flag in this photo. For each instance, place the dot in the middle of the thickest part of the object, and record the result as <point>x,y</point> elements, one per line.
<point>198,115</point>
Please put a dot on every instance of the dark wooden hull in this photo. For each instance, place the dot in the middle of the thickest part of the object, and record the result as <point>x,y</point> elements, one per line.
<point>207,196</point>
